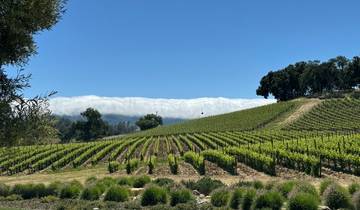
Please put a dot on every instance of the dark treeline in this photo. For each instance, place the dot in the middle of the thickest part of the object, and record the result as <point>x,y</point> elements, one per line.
<point>91,127</point>
<point>311,78</point>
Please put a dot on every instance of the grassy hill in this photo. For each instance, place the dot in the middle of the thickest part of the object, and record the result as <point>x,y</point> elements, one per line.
<point>244,120</point>
<point>331,115</point>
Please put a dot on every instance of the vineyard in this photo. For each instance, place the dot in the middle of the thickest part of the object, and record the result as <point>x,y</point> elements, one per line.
<point>331,115</point>
<point>308,145</point>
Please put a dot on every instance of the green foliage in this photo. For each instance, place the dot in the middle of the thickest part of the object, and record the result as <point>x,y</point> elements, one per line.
<point>151,164</point>
<point>4,190</point>
<point>28,191</point>
<point>163,182</point>
<point>331,115</point>
<point>336,197</point>
<point>271,199</point>
<point>154,195</point>
<point>236,198</point>
<point>220,197</point>
<point>149,121</point>
<point>311,78</point>
<point>91,193</point>
<point>248,119</point>
<point>126,180</point>
<point>117,193</point>
<point>224,161</point>
<point>204,185</point>
<point>285,187</point>
<point>141,181</point>
<point>180,196</point>
<point>303,201</point>
<point>132,165</point>
<point>71,190</point>
<point>304,187</point>
<point>196,160</point>
<point>113,166</point>
<point>325,184</point>
<point>248,199</point>
<point>173,164</point>
<point>353,188</point>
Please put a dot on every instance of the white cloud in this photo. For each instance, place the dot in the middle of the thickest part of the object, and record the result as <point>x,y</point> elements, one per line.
<point>137,106</point>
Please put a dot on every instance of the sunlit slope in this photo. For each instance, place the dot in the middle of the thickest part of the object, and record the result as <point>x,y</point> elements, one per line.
<point>248,119</point>
<point>331,115</point>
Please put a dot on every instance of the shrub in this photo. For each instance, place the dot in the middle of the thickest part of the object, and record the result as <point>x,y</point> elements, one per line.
<point>204,185</point>
<point>105,183</point>
<point>285,188</point>
<point>28,191</point>
<point>141,181</point>
<point>220,197</point>
<point>248,199</point>
<point>325,184</point>
<point>126,181</point>
<point>236,197</point>
<point>70,190</point>
<point>180,196</point>
<point>117,193</point>
<point>4,190</point>
<point>304,187</point>
<point>356,200</point>
<point>154,195</point>
<point>163,182</point>
<point>91,180</point>
<point>173,164</point>
<point>13,197</point>
<point>303,201</point>
<point>271,199</point>
<point>54,188</point>
<point>113,166</point>
<point>91,193</point>
<point>353,188</point>
<point>336,197</point>
<point>258,184</point>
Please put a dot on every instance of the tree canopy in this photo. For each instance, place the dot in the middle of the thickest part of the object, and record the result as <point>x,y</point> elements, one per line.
<point>149,121</point>
<point>23,120</point>
<point>20,20</point>
<point>311,78</point>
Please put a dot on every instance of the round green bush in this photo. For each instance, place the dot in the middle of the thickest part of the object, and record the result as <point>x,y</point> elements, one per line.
<point>70,191</point>
<point>258,184</point>
<point>356,200</point>
<point>117,193</point>
<point>163,182</point>
<point>248,199</point>
<point>141,181</point>
<point>180,196</point>
<point>220,197</point>
<point>285,188</point>
<point>303,201</point>
<point>154,195</point>
<point>4,190</point>
<point>353,188</point>
<point>91,193</point>
<point>236,197</point>
<point>336,197</point>
<point>270,199</point>
<point>325,184</point>
<point>90,180</point>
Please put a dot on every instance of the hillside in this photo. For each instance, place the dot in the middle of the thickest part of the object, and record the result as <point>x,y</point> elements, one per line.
<point>243,120</point>
<point>330,115</point>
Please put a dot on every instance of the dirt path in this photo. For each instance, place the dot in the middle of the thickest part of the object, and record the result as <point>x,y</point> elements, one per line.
<point>186,172</point>
<point>303,109</point>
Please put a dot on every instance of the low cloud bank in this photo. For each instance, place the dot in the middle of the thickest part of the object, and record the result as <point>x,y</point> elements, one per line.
<point>138,106</point>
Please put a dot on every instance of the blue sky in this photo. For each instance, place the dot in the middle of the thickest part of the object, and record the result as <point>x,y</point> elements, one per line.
<point>187,48</point>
